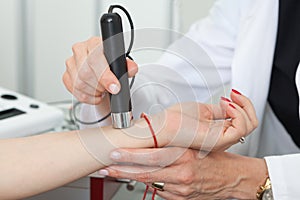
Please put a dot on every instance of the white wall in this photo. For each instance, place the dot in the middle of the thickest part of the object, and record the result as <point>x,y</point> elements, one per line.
<point>57,25</point>
<point>191,11</point>
<point>8,44</point>
<point>50,27</point>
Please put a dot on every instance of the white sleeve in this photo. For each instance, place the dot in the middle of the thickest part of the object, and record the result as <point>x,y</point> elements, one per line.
<point>284,172</point>
<point>194,67</point>
<point>203,56</point>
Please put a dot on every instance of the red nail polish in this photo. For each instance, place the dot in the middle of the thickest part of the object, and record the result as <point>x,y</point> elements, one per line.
<point>225,99</point>
<point>235,91</point>
<point>232,106</point>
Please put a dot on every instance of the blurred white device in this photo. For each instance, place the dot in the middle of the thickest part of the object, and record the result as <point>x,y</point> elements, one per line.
<point>23,116</point>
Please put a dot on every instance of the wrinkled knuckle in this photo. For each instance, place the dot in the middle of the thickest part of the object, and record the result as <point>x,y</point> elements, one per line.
<point>68,63</point>
<point>186,177</point>
<point>185,191</point>
<point>67,83</point>
<point>65,79</point>
<point>80,85</point>
<point>76,47</point>
<point>85,73</point>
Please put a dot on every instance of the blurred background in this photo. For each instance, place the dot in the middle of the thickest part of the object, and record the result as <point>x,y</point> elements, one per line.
<point>37,36</point>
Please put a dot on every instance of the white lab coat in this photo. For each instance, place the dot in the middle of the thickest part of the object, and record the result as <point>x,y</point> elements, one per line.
<point>239,36</point>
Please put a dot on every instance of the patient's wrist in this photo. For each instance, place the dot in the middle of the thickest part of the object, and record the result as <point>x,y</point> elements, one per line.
<point>99,142</point>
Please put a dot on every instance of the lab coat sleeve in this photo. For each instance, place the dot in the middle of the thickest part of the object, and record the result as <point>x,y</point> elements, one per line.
<point>194,67</point>
<point>203,56</point>
<point>284,175</point>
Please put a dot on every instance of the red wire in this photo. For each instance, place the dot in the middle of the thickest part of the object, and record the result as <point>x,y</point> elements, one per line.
<point>143,115</point>
<point>153,194</point>
<point>145,192</point>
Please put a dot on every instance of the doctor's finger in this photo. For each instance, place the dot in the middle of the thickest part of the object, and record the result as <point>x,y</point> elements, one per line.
<point>106,78</point>
<point>99,66</point>
<point>80,79</point>
<point>132,68</point>
<point>109,81</point>
<point>246,104</point>
<point>95,47</point>
<point>93,42</point>
<point>80,53</point>
<point>86,98</point>
<point>218,111</point>
<point>70,74</point>
<point>148,157</point>
<point>81,50</point>
<point>238,127</point>
<point>86,76</point>
<point>227,105</point>
<point>82,87</point>
<point>208,112</point>
<point>143,173</point>
<point>68,82</point>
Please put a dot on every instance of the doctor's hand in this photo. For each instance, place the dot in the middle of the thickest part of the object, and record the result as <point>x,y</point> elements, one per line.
<point>192,174</point>
<point>207,127</point>
<point>87,74</point>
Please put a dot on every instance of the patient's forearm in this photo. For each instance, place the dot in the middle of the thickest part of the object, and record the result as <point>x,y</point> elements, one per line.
<point>36,164</point>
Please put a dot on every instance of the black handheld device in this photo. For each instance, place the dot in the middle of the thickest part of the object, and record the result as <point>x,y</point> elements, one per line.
<point>114,51</point>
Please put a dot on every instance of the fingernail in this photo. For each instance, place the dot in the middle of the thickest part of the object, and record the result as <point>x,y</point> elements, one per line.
<point>114,88</point>
<point>225,99</point>
<point>232,106</point>
<point>103,172</point>
<point>115,155</point>
<point>235,91</point>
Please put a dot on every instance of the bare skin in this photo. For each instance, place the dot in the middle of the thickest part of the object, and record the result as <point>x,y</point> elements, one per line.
<point>234,176</point>
<point>40,163</point>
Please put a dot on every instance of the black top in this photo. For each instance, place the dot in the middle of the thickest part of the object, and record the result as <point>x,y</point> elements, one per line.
<point>283,95</point>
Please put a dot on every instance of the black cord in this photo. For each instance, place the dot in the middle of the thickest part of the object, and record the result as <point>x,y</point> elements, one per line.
<point>73,110</point>
<point>110,10</point>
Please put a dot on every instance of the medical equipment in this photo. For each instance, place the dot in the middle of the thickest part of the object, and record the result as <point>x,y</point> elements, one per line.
<point>114,50</point>
<point>22,116</point>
